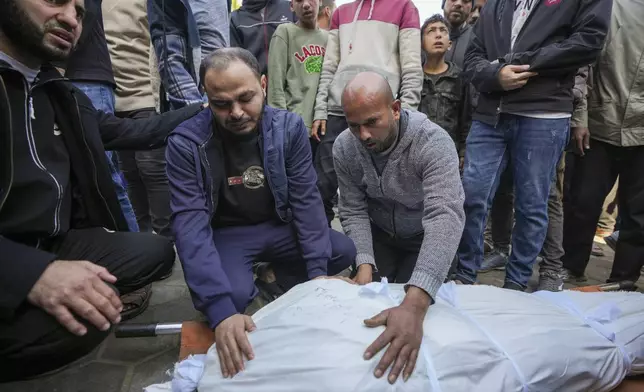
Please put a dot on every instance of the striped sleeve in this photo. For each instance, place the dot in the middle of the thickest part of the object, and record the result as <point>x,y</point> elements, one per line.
<point>329,67</point>
<point>409,46</point>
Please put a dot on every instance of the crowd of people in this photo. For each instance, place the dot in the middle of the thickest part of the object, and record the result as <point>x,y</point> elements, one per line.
<point>485,138</point>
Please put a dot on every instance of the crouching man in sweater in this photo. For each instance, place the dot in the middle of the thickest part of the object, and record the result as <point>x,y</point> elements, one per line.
<point>401,202</point>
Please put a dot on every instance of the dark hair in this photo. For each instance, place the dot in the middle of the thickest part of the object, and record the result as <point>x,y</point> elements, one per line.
<point>445,1</point>
<point>221,58</point>
<point>436,18</point>
<point>326,3</point>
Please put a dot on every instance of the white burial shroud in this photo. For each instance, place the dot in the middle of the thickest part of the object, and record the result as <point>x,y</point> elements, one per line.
<point>476,338</point>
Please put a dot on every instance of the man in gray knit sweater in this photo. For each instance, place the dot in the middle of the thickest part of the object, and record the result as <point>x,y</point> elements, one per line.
<point>401,202</point>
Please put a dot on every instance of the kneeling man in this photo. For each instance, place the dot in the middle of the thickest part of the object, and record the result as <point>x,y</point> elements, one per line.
<point>401,202</point>
<point>243,189</point>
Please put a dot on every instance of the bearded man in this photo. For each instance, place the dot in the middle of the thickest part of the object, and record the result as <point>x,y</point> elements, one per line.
<point>401,202</point>
<point>65,254</point>
<point>243,189</point>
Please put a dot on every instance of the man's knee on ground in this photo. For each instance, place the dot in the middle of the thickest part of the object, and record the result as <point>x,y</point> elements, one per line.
<point>158,252</point>
<point>242,296</point>
<point>43,345</point>
<point>343,251</point>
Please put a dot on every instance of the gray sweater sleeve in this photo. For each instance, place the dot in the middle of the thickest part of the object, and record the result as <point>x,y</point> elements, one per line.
<point>443,218</point>
<point>352,205</point>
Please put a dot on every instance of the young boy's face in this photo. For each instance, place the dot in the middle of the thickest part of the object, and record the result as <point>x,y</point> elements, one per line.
<point>306,12</point>
<point>436,39</point>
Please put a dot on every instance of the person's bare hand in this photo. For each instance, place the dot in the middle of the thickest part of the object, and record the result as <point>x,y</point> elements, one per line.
<point>403,334</point>
<point>318,129</point>
<point>342,278</point>
<point>232,342</point>
<point>461,163</point>
<point>364,275</point>
<point>77,287</point>
<point>580,140</point>
<point>513,77</point>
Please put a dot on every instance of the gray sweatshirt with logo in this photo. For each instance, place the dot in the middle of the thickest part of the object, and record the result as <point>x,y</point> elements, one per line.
<point>419,191</point>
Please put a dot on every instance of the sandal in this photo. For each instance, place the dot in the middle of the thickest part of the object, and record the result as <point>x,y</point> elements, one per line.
<point>135,303</point>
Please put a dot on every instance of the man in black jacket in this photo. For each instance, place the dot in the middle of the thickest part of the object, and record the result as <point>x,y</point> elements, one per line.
<point>457,12</point>
<point>523,59</point>
<point>65,254</point>
<point>252,26</point>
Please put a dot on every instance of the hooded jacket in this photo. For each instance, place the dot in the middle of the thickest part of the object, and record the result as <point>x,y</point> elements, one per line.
<point>86,132</point>
<point>418,192</point>
<point>371,35</point>
<point>196,174</point>
<point>558,38</point>
<point>253,24</point>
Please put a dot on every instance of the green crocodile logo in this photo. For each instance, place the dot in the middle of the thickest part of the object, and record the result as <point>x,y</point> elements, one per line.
<point>313,64</point>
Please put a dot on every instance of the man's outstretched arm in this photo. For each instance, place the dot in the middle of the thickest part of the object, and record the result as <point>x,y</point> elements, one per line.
<point>443,221</point>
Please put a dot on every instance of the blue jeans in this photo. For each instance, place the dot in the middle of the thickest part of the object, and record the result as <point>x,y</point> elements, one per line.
<point>532,147</point>
<point>102,97</point>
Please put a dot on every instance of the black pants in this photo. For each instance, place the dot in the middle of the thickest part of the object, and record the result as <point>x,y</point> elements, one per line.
<point>33,342</point>
<point>502,213</point>
<point>395,257</point>
<point>593,176</point>
<point>327,180</point>
<point>552,250</point>
<point>147,183</point>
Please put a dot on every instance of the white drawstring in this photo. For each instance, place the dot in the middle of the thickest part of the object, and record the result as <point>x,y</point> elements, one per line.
<point>355,21</point>
<point>354,25</point>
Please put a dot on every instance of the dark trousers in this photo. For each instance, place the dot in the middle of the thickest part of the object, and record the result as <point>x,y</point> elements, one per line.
<point>33,342</point>
<point>502,213</point>
<point>314,147</point>
<point>552,250</point>
<point>147,183</point>
<point>395,257</point>
<point>327,180</point>
<point>592,178</point>
<point>240,247</point>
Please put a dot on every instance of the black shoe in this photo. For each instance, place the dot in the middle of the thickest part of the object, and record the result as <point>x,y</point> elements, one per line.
<point>496,260</point>
<point>513,286</point>
<point>569,277</point>
<point>611,240</point>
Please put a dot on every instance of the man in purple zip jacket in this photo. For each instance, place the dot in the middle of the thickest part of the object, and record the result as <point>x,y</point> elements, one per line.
<point>242,189</point>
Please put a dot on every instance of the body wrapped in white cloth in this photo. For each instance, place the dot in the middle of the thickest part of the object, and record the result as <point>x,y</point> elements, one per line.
<point>476,338</point>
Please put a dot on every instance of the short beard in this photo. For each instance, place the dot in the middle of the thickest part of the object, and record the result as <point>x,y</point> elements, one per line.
<point>458,22</point>
<point>222,126</point>
<point>391,139</point>
<point>17,27</point>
